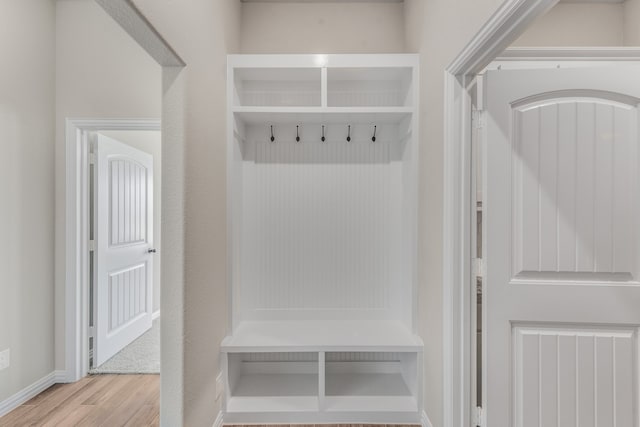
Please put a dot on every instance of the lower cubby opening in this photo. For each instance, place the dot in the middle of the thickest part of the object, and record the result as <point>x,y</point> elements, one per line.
<point>371,382</point>
<point>273,382</point>
<point>322,382</point>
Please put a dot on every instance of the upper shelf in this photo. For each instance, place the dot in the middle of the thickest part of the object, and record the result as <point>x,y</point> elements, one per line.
<point>323,81</point>
<point>326,115</point>
<point>325,335</point>
<point>277,87</point>
<point>369,87</point>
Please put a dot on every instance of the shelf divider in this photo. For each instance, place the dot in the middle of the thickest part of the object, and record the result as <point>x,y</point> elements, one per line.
<point>321,380</point>
<point>324,90</point>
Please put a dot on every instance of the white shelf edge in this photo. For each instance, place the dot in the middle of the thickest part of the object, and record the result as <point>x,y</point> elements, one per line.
<point>273,404</point>
<point>406,404</point>
<point>321,110</point>
<point>316,349</point>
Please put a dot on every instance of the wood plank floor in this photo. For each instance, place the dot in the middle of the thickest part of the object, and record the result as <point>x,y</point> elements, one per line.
<point>97,400</point>
<point>105,400</point>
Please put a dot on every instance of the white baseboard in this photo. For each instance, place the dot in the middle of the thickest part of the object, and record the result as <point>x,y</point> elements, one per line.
<point>61,377</point>
<point>27,393</point>
<point>155,315</point>
<point>218,421</point>
<point>425,420</point>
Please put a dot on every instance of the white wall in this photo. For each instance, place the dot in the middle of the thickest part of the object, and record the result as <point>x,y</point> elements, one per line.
<point>101,72</point>
<point>579,24</point>
<point>202,32</point>
<point>632,23</point>
<point>26,191</point>
<point>149,142</point>
<point>322,27</point>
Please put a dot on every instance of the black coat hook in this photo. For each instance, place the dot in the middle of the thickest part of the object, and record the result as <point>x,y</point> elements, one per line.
<point>272,137</point>
<point>323,138</point>
<point>349,134</point>
<point>297,135</point>
<point>373,138</point>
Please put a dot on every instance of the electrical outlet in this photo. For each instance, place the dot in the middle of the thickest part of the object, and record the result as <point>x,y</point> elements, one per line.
<point>219,386</point>
<point>5,360</point>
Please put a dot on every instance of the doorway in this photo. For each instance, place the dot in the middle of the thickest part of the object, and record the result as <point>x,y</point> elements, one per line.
<point>80,133</point>
<point>125,255</point>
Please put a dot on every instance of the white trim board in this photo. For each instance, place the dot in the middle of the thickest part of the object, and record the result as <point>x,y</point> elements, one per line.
<point>425,421</point>
<point>506,25</point>
<point>155,315</point>
<point>125,13</point>
<point>570,53</point>
<point>76,303</point>
<point>28,392</point>
<point>219,420</point>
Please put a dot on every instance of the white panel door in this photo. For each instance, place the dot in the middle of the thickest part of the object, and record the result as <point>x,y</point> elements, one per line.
<point>562,290</point>
<point>124,246</point>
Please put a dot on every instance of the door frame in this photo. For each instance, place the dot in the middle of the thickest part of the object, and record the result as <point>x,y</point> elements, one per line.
<point>77,234</point>
<point>510,21</point>
<point>459,288</point>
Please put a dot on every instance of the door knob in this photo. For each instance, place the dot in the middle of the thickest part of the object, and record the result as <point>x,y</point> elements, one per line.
<point>151,251</point>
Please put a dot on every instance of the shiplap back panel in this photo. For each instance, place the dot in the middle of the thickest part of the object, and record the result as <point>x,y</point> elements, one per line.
<point>366,93</point>
<point>281,94</point>
<point>575,167</point>
<point>128,216</point>
<point>312,150</point>
<point>319,236</point>
<point>566,377</point>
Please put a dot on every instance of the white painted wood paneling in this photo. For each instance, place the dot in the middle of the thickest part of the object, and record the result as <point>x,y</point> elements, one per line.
<point>123,286</point>
<point>322,245</point>
<point>127,295</point>
<point>574,177</point>
<point>361,356</point>
<point>128,219</point>
<point>561,292</point>
<point>318,236</point>
<point>570,377</point>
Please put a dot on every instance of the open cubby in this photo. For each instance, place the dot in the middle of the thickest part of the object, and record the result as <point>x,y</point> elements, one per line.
<point>273,381</point>
<point>369,87</point>
<point>371,382</point>
<point>322,382</point>
<point>277,87</point>
<point>322,199</point>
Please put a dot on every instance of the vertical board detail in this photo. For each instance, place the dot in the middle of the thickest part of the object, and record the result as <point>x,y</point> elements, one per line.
<point>127,295</point>
<point>575,377</point>
<point>128,202</point>
<point>575,172</point>
<point>319,236</point>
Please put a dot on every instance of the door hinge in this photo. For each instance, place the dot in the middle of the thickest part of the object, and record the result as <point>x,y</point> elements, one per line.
<point>479,119</point>
<point>478,267</point>
<point>92,331</point>
<point>479,418</point>
<point>92,158</point>
<point>92,245</point>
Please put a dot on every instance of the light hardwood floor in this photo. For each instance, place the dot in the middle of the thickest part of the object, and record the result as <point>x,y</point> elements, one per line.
<point>98,400</point>
<point>105,400</point>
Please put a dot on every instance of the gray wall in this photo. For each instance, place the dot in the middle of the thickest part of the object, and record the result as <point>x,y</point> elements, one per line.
<point>632,23</point>
<point>27,34</point>
<point>577,24</point>
<point>322,27</point>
